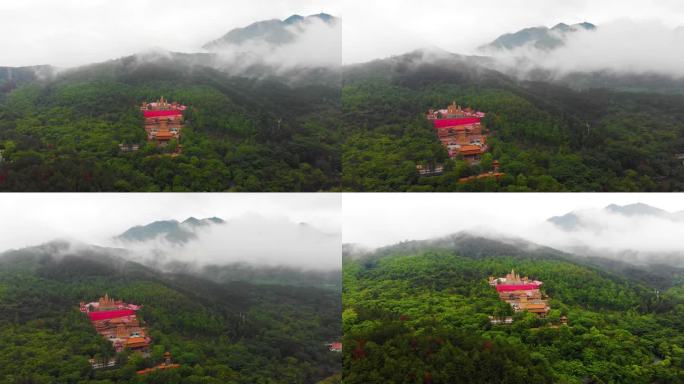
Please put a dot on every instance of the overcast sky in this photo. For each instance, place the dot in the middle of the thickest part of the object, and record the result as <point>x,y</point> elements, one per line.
<point>380,28</point>
<point>74,32</point>
<point>375,220</point>
<point>93,218</point>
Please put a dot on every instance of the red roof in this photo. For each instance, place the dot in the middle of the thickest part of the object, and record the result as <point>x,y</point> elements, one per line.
<point>336,346</point>
<point>106,315</point>
<point>447,123</point>
<point>170,112</point>
<point>516,287</point>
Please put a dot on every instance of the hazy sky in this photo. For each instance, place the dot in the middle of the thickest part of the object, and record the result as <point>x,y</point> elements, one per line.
<point>73,32</point>
<point>380,28</point>
<point>32,219</point>
<point>375,220</point>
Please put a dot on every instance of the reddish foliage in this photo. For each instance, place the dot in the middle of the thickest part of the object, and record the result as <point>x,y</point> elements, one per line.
<point>359,352</point>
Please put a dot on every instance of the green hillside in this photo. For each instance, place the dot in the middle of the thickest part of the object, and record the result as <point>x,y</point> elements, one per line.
<point>219,333</point>
<point>422,317</point>
<point>262,133</point>
<point>547,137</point>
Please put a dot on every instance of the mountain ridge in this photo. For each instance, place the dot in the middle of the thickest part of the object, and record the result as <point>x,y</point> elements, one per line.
<point>274,32</point>
<point>172,231</point>
<point>542,37</point>
<point>572,221</point>
<point>477,245</point>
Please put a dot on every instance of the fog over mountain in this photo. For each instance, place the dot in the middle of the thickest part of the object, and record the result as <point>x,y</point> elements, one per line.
<point>631,37</point>
<point>542,38</point>
<point>287,231</point>
<point>636,233</point>
<point>607,47</point>
<point>171,231</point>
<point>73,33</point>
<point>308,51</point>
<point>282,45</point>
<point>253,239</point>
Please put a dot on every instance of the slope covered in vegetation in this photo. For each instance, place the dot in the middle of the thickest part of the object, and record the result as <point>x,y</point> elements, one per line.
<point>423,317</point>
<point>546,137</point>
<point>219,333</point>
<point>242,134</point>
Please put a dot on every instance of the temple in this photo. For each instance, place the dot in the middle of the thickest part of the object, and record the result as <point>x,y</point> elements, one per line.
<point>117,322</point>
<point>163,120</point>
<point>460,131</point>
<point>521,293</point>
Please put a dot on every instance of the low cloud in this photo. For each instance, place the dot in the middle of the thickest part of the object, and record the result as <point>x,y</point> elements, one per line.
<point>639,239</point>
<point>315,44</point>
<point>254,239</point>
<point>624,46</point>
<point>636,233</point>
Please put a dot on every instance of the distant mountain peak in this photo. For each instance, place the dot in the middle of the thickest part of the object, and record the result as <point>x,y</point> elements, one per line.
<point>293,19</point>
<point>169,230</point>
<point>273,32</point>
<point>538,37</point>
<point>573,220</point>
<point>191,220</point>
<point>325,17</point>
<point>561,26</point>
<point>216,220</point>
<point>637,209</point>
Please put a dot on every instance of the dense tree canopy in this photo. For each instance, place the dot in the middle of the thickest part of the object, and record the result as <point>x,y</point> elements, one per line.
<point>546,137</point>
<point>219,333</point>
<point>241,134</point>
<point>424,318</point>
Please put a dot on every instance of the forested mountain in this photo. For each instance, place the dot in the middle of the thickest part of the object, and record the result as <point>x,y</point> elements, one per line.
<point>477,246</point>
<point>172,231</point>
<point>279,275</point>
<point>11,78</point>
<point>546,136</point>
<point>256,130</point>
<point>419,312</point>
<point>233,332</point>
<point>537,37</point>
<point>273,32</point>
